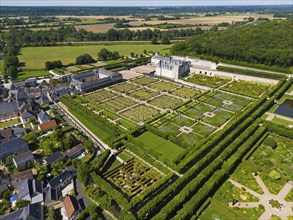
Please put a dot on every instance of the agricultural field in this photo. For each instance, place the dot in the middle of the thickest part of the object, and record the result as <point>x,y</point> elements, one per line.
<point>246,88</point>
<point>133,177</point>
<point>210,81</point>
<point>161,146</point>
<point>35,57</point>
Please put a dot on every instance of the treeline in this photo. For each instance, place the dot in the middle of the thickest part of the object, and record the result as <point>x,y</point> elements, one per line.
<point>250,72</point>
<point>268,43</point>
<point>25,37</point>
<point>111,11</point>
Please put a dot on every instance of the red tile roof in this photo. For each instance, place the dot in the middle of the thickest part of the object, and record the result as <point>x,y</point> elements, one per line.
<point>48,125</point>
<point>69,206</point>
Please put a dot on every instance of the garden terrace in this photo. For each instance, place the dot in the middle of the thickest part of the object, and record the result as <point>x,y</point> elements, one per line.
<point>124,87</point>
<point>133,177</point>
<point>250,89</point>
<point>165,102</point>
<point>118,103</point>
<point>144,81</point>
<point>185,92</point>
<point>143,94</point>
<point>164,86</point>
<point>140,113</point>
<point>100,95</point>
<point>210,81</point>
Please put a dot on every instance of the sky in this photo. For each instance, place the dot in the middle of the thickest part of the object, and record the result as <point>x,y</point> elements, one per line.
<point>140,2</point>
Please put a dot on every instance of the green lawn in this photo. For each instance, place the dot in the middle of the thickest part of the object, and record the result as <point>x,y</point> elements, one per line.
<point>160,145</point>
<point>32,73</point>
<point>9,123</point>
<point>1,66</point>
<point>219,210</point>
<point>35,57</point>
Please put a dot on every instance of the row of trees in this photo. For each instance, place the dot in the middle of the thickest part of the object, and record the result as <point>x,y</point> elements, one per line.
<point>267,43</point>
<point>25,37</point>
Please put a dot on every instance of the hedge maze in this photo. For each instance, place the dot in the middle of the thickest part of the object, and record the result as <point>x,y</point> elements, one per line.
<point>132,177</point>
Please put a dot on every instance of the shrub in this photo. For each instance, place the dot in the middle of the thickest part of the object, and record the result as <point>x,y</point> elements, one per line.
<point>275,175</point>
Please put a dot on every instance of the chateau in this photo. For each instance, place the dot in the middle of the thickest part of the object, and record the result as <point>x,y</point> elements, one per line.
<point>168,67</point>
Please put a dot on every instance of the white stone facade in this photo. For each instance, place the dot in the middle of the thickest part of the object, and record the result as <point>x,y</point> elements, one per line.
<point>168,67</point>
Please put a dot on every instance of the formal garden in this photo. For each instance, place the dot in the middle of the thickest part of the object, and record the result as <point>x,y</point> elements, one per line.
<point>185,92</point>
<point>124,87</point>
<point>143,94</point>
<point>272,161</point>
<point>251,89</point>
<point>118,103</point>
<point>210,81</point>
<point>144,81</point>
<point>140,113</point>
<point>164,86</point>
<point>165,102</point>
<point>100,95</point>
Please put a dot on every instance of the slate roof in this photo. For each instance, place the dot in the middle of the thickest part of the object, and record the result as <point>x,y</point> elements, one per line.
<point>26,114</point>
<point>56,182</point>
<point>30,188</point>
<point>27,174</point>
<point>54,157</point>
<point>30,212</point>
<point>76,149</point>
<point>21,159</point>
<point>8,107</point>
<point>12,146</point>
<point>43,117</point>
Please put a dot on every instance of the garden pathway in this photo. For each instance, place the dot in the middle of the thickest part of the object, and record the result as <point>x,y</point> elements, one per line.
<point>283,212</point>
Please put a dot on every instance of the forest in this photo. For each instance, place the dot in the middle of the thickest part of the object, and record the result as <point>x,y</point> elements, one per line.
<point>25,37</point>
<point>268,43</point>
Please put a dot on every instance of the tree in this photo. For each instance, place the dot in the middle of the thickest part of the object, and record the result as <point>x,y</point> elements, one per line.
<point>84,59</point>
<point>154,41</point>
<point>103,54</point>
<point>31,137</point>
<point>275,175</point>
<point>12,72</point>
<point>132,54</point>
<point>52,65</point>
<point>83,173</point>
<point>165,40</point>
<point>21,203</point>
